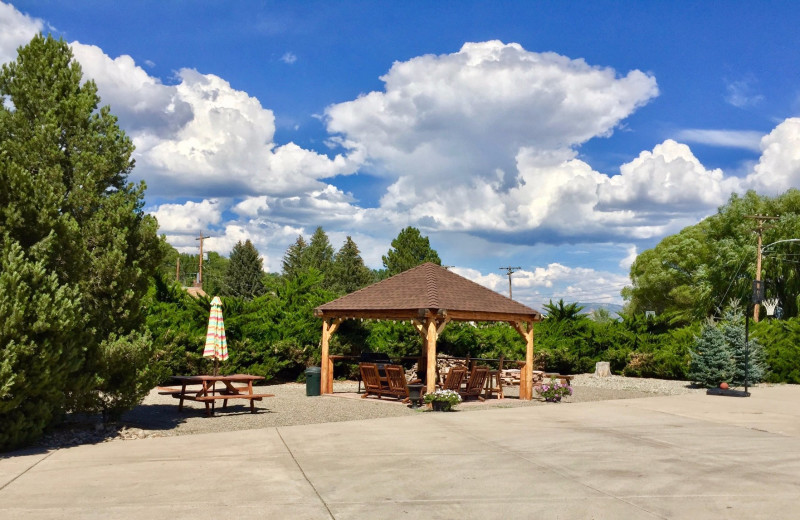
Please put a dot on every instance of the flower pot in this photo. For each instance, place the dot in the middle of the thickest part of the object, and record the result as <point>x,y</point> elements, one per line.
<point>441,406</point>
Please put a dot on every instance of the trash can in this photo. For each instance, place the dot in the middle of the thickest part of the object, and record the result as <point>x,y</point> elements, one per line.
<point>313,377</point>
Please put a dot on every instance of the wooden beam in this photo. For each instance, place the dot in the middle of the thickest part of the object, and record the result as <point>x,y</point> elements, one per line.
<point>420,327</point>
<point>526,371</point>
<point>325,369</point>
<point>444,322</point>
<point>334,325</point>
<point>520,329</point>
<point>430,347</point>
<point>491,316</point>
<point>382,314</point>
<point>329,326</point>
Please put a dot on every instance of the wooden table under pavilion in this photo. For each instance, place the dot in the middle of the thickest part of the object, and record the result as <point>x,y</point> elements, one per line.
<point>429,296</point>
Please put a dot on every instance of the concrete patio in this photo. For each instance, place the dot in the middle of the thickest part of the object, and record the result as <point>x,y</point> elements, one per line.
<point>690,456</point>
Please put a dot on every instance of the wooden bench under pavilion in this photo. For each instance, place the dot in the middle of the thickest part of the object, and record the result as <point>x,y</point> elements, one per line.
<point>429,296</point>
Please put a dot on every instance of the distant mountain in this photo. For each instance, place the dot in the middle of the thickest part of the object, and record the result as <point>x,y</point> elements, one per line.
<point>613,308</point>
<point>589,307</point>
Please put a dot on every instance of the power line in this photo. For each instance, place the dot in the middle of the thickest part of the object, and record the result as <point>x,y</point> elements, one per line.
<point>510,270</point>
<point>200,273</point>
<point>759,230</point>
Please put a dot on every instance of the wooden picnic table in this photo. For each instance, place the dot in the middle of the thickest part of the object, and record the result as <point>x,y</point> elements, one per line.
<point>209,394</point>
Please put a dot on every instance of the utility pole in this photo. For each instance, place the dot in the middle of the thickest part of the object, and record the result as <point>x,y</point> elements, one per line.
<point>510,270</point>
<point>759,230</point>
<point>199,282</point>
<point>178,268</point>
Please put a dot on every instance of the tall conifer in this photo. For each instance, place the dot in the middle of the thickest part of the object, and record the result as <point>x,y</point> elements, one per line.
<point>244,276</point>
<point>350,273</point>
<point>71,227</point>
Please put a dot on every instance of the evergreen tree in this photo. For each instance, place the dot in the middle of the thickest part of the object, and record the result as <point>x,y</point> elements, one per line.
<point>245,274</point>
<point>350,273</point>
<point>408,250</point>
<point>732,328</point>
<point>41,337</point>
<point>712,362</point>
<point>319,253</point>
<point>66,203</point>
<point>294,258</point>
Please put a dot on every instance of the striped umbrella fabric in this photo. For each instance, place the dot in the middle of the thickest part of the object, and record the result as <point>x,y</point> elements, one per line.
<point>216,344</point>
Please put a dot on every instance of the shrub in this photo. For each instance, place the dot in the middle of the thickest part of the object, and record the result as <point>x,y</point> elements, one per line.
<point>719,354</point>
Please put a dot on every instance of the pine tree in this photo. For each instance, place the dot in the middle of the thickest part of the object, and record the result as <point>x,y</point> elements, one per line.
<point>294,258</point>
<point>350,273</point>
<point>66,202</point>
<point>245,274</point>
<point>408,250</point>
<point>41,337</point>
<point>732,327</point>
<point>712,362</point>
<point>319,253</point>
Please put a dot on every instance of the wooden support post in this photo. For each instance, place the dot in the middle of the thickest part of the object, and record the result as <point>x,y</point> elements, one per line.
<point>430,348</point>
<point>528,364</point>
<point>526,371</point>
<point>326,370</point>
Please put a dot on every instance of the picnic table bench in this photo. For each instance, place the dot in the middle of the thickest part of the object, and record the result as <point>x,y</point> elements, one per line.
<point>209,394</point>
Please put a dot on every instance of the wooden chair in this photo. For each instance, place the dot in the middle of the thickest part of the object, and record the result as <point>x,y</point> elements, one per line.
<point>475,383</point>
<point>494,381</point>
<point>396,380</point>
<point>453,379</point>
<point>372,380</point>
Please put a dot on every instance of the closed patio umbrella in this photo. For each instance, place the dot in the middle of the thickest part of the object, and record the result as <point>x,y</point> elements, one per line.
<point>216,344</point>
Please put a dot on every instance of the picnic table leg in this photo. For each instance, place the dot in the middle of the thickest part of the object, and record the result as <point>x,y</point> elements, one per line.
<point>183,392</point>
<point>230,389</point>
<point>252,401</point>
<point>209,406</point>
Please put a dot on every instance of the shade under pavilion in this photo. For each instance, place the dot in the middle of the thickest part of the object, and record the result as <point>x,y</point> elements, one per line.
<point>429,296</point>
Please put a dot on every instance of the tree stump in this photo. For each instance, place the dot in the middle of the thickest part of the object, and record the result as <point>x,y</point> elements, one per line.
<point>602,369</point>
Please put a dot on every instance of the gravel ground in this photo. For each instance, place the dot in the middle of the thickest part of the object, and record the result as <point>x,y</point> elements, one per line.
<point>158,415</point>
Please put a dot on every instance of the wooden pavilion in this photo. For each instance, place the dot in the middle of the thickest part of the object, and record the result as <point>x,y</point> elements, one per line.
<point>429,296</point>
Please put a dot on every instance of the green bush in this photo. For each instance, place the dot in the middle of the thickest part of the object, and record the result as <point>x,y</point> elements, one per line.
<point>40,334</point>
<point>719,353</point>
<point>781,341</point>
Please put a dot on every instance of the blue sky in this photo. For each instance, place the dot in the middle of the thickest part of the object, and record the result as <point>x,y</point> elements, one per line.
<point>561,137</point>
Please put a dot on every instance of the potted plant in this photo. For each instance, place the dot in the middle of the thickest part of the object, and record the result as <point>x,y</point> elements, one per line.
<point>553,392</point>
<point>443,400</point>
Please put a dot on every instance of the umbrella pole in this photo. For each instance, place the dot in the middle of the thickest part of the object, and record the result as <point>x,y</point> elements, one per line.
<point>216,366</point>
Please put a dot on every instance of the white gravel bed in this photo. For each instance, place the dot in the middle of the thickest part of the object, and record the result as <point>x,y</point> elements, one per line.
<point>653,386</point>
<point>158,415</point>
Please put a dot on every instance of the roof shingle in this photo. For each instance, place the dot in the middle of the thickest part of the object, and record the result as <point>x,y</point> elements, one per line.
<point>427,286</point>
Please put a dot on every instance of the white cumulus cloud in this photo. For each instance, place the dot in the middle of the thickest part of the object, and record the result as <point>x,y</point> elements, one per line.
<point>668,177</point>
<point>456,116</point>
<point>746,139</point>
<point>191,217</point>
<point>554,281</point>
<point>778,169</point>
<point>16,30</point>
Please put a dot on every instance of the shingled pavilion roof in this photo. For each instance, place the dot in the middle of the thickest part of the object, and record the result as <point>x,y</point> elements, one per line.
<point>424,290</point>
